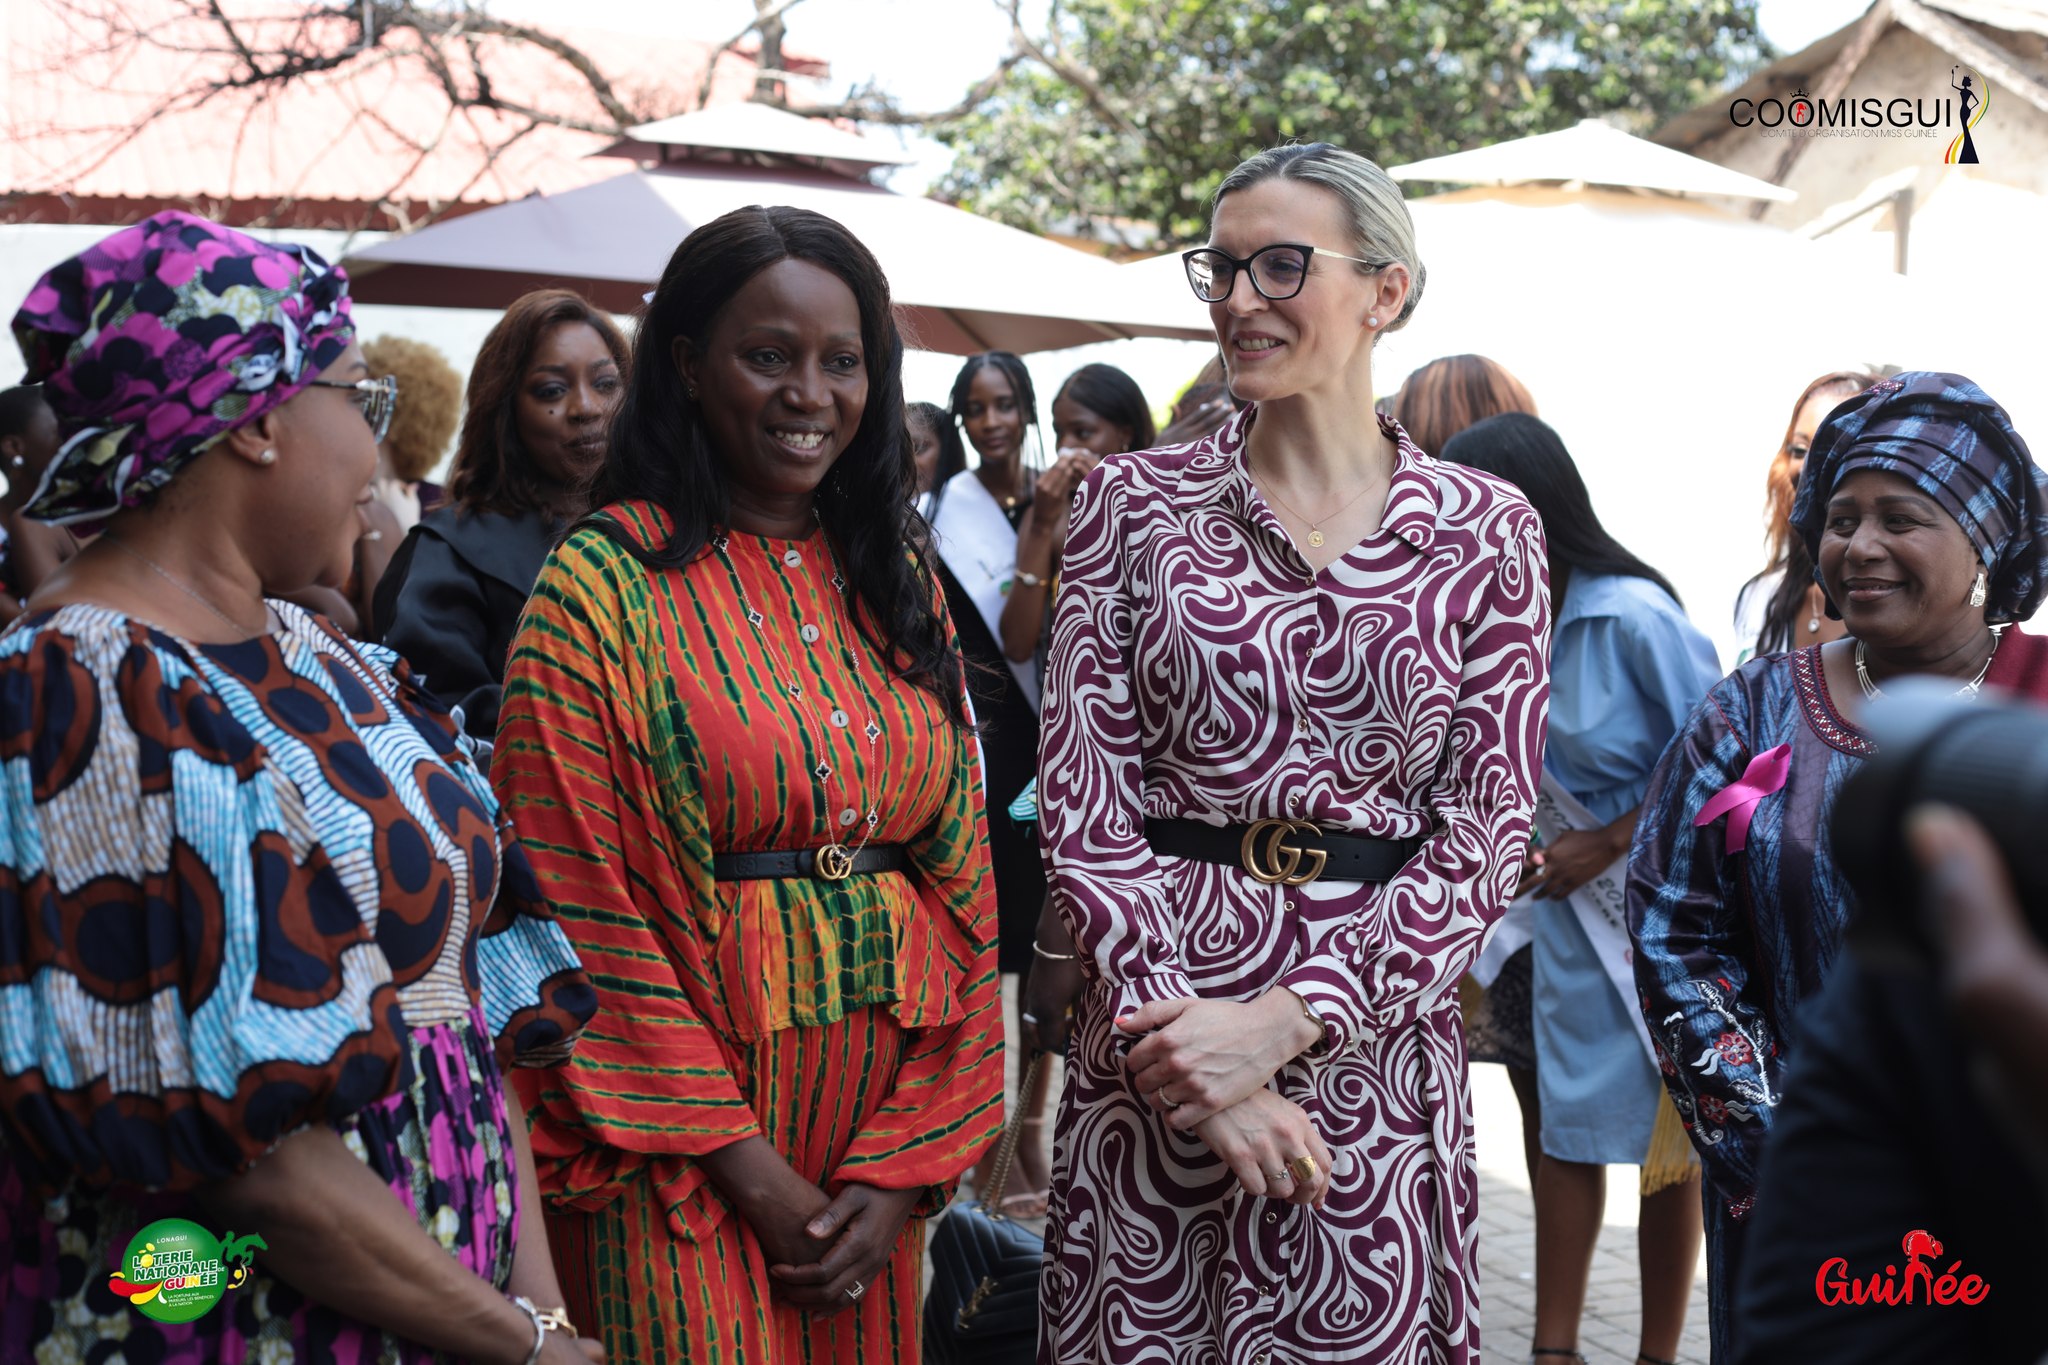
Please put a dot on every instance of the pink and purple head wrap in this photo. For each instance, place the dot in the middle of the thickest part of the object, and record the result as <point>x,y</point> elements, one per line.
<point>155,342</point>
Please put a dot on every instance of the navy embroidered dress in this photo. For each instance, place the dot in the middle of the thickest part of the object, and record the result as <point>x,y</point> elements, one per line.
<point>245,889</point>
<point>1729,944</point>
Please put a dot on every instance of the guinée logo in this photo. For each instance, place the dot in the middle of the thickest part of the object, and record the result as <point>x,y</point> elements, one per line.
<point>1918,1283</point>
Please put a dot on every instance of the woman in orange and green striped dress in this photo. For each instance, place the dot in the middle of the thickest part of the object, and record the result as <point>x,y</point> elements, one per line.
<point>735,743</point>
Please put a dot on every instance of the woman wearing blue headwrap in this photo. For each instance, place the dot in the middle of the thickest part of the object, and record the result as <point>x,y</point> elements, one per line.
<point>1924,513</point>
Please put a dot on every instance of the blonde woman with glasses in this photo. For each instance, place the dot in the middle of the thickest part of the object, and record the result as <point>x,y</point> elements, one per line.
<point>1292,728</point>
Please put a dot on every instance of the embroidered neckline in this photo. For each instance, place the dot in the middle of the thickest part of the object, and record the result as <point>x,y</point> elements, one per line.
<point>1821,714</point>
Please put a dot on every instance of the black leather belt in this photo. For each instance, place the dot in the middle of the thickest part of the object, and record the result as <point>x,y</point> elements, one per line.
<point>1288,852</point>
<point>832,863</point>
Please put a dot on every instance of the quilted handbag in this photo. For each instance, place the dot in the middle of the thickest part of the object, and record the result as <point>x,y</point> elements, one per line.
<point>983,1302</point>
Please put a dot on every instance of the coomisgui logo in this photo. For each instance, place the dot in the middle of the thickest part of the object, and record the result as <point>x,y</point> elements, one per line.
<point>1876,116</point>
<point>1919,1283</point>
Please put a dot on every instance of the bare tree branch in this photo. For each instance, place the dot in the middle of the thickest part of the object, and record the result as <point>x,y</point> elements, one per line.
<point>766,12</point>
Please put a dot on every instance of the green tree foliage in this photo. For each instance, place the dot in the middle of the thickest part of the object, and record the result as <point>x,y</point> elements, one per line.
<point>1143,105</point>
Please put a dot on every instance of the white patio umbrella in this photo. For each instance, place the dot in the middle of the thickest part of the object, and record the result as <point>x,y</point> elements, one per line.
<point>1664,338</point>
<point>1590,153</point>
<point>964,283</point>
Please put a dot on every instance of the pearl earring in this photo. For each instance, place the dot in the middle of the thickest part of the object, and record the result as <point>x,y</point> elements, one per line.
<point>1977,593</point>
<point>1373,321</point>
<point>267,457</point>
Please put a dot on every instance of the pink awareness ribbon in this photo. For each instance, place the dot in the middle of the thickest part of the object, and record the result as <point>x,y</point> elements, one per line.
<point>1765,774</point>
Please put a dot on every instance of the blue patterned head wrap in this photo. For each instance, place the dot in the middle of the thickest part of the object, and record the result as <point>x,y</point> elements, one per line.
<point>1949,439</point>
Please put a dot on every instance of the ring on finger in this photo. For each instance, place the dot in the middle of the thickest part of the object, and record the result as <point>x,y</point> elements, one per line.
<point>855,1290</point>
<point>1276,1177</point>
<point>1303,1169</point>
<point>1160,1095</point>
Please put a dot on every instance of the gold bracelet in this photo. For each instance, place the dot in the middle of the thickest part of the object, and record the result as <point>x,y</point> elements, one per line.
<point>1052,957</point>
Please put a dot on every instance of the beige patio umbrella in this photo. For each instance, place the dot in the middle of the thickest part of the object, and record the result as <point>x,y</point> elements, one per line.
<point>1590,153</point>
<point>963,283</point>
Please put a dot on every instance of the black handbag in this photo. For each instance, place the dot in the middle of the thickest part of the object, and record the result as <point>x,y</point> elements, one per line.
<point>983,1302</point>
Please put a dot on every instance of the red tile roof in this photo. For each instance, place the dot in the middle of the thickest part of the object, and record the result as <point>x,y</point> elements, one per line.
<point>102,119</point>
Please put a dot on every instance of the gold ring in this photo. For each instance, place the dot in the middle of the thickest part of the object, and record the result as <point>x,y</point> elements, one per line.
<point>1303,1169</point>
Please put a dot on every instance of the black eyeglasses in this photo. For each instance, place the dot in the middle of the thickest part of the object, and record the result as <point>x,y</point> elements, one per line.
<point>376,399</point>
<point>1278,271</point>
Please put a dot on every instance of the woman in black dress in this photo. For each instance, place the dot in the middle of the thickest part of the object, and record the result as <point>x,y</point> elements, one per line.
<point>976,519</point>
<point>541,397</point>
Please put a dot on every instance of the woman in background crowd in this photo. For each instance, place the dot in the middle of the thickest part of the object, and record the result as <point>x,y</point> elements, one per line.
<point>737,746</point>
<point>270,943</point>
<point>1203,406</point>
<point>1439,400</point>
<point>30,551</point>
<point>1784,607</point>
<point>1293,724</point>
<point>1923,511</point>
<point>541,396</point>
<point>1626,669</point>
<point>429,407</point>
<point>980,518</point>
<point>936,451</point>
<point>421,428</point>
<point>1449,394</point>
<point>1098,411</point>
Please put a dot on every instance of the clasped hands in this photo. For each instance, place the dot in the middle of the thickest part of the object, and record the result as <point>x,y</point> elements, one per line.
<point>824,1252</point>
<point>1212,1059</point>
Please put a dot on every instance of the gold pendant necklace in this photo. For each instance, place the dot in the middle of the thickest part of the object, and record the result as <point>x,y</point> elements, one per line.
<point>1315,528</point>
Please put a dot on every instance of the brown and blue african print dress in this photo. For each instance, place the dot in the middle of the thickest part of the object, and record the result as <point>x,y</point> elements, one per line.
<point>652,718</point>
<point>243,889</point>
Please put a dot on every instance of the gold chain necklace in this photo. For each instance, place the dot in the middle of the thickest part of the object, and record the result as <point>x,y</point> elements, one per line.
<point>834,862</point>
<point>1315,533</point>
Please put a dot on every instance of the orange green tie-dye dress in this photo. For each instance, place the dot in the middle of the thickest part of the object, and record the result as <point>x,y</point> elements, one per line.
<point>652,718</point>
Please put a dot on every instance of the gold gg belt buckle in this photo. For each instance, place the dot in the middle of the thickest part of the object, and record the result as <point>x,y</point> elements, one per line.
<point>832,863</point>
<point>1269,858</point>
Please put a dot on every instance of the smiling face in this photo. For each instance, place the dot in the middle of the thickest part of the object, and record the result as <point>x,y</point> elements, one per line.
<point>992,418</point>
<point>1075,427</point>
<point>1313,340</point>
<point>565,401</point>
<point>1897,565</point>
<point>782,379</point>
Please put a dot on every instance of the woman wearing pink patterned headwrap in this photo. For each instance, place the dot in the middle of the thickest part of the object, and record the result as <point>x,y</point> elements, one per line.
<point>267,941</point>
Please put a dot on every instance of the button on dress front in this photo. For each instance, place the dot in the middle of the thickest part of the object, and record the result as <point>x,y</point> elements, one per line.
<point>1200,670</point>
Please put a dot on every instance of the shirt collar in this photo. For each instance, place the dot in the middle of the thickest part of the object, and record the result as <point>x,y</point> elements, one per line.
<point>1217,473</point>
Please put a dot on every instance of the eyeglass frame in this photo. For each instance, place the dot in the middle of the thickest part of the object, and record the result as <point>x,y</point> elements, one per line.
<point>1187,259</point>
<point>384,386</point>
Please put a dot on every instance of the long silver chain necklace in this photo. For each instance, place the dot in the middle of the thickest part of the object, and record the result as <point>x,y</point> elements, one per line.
<point>1968,689</point>
<point>835,860</point>
<point>197,596</point>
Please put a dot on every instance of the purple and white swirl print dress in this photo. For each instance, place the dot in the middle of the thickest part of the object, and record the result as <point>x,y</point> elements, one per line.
<point>1200,669</point>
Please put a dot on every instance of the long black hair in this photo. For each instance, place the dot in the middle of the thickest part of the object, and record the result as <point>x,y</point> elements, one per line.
<point>1115,397</point>
<point>1524,451</point>
<point>660,452</point>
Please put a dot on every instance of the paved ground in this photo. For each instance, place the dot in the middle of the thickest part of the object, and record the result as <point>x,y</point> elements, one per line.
<point>1507,1249</point>
<point>1507,1246</point>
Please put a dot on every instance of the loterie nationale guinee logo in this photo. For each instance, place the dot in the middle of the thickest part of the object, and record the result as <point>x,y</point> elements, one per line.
<point>175,1271</point>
